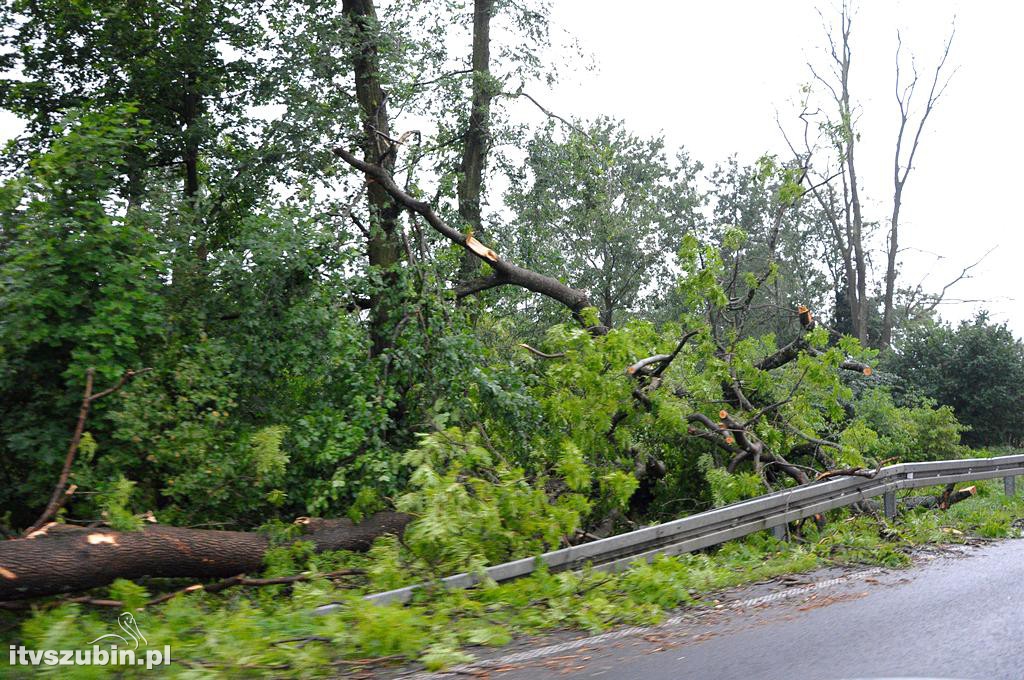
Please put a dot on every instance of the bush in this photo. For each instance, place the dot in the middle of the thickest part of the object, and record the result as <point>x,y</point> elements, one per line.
<point>976,368</point>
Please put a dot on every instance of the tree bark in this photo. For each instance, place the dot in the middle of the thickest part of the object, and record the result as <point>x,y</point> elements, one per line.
<point>474,153</point>
<point>61,559</point>
<point>855,219</point>
<point>384,245</point>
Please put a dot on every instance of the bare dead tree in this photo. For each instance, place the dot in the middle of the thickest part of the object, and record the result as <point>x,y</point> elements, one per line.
<point>843,209</point>
<point>901,167</point>
<point>847,223</point>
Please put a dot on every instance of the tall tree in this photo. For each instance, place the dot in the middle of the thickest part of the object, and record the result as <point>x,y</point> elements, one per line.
<point>474,148</point>
<point>384,245</point>
<point>747,198</point>
<point>608,209</point>
<point>976,367</point>
<point>189,68</point>
<point>902,166</point>
<point>846,216</point>
<point>844,211</point>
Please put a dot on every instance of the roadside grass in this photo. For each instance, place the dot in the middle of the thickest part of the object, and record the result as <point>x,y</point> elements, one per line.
<point>270,632</point>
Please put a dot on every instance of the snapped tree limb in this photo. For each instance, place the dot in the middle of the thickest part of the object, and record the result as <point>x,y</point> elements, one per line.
<point>505,273</point>
<point>61,559</point>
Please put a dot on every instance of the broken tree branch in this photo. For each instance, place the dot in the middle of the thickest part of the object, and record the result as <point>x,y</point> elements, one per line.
<point>854,471</point>
<point>506,273</point>
<point>239,580</point>
<point>60,496</point>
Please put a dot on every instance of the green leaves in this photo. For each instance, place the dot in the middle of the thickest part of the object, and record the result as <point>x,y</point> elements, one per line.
<point>472,512</point>
<point>729,488</point>
<point>975,368</point>
<point>266,450</point>
<point>619,486</point>
<point>79,287</point>
<point>606,210</point>
<point>572,467</point>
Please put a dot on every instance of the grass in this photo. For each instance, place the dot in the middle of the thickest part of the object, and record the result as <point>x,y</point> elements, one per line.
<point>269,632</point>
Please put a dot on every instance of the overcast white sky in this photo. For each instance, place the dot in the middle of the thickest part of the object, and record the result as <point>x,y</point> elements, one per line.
<point>710,76</point>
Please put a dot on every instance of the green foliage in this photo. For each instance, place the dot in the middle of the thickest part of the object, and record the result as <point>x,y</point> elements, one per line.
<point>153,217</point>
<point>115,501</point>
<point>573,468</point>
<point>240,632</point>
<point>78,289</point>
<point>131,594</point>
<point>596,202</point>
<point>471,510</point>
<point>619,486</point>
<point>975,368</point>
<point>912,433</point>
<point>728,488</point>
<point>267,454</point>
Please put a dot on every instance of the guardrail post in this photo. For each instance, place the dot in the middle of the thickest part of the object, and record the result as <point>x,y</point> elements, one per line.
<point>780,532</point>
<point>1009,485</point>
<point>889,501</point>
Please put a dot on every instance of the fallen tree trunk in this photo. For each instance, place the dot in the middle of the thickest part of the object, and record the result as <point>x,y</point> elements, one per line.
<point>941,501</point>
<point>61,559</point>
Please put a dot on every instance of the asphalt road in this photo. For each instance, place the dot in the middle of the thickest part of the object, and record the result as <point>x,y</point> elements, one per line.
<point>958,616</point>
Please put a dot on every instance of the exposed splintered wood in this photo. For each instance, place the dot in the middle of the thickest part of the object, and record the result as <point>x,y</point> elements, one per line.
<point>806,317</point>
<point>480,250</point>
<point>62,559</point>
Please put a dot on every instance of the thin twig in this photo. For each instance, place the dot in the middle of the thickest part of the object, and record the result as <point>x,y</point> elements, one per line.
<point>543,355</point>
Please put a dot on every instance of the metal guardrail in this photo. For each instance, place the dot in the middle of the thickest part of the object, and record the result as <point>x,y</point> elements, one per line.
<point>705,529</point>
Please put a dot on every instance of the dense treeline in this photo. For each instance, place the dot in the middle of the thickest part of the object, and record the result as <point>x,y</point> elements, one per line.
<point>288,211</point>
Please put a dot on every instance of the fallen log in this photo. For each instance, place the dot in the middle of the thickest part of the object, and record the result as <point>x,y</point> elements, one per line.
<point>941,501</point>
<point>947,498</point>
<point>62,559</point>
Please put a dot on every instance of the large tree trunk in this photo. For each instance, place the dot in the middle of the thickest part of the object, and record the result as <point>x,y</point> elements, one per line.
<point>474,153</point>
<point>62,559</point>
<point>384,246</point>
<point>855,219</point>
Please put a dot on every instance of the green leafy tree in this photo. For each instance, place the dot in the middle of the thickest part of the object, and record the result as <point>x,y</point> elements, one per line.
<point>975,367</point>
<point>791,243</point>
<point>178,63</point>
<point>608,210</point>
<point>79,288</point>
